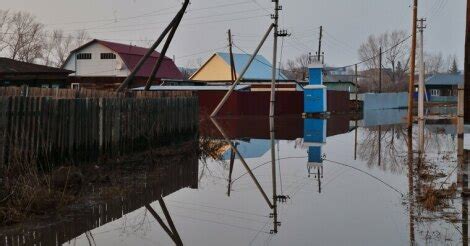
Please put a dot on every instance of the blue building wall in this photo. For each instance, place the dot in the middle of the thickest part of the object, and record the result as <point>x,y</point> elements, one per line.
<point>315,91</point>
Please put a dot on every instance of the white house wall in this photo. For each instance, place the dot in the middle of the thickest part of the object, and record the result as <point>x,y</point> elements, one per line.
<point>96,67</point>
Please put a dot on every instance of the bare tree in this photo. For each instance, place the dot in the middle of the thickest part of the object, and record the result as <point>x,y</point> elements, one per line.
<point>24,41</point>
<point>297,68</point>
<point>59,45</point>
<point>4,29</point>
<point>434,63</point>
<point>395,60</point>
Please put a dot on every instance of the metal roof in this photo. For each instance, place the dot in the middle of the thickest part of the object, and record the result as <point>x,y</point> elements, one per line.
<point>131,55</point>
<point>194,88</point>
<point>445,79</point>
<point>260,68</point>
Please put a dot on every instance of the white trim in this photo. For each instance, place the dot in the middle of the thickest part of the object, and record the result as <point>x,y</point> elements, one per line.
<point>314,164</point>
<point>314,87</point>
<point>308,144</point>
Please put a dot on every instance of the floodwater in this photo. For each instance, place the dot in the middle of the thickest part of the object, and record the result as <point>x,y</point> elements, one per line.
<point>348,180</point>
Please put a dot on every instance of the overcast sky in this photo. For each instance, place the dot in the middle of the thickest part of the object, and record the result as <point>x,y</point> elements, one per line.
<point>347,23</point>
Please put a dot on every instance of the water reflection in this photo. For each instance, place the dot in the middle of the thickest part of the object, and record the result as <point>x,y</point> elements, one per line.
<point>154,176</point>
<point>337,181</point>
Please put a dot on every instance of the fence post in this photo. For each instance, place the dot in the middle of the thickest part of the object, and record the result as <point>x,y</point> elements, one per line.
<point>101,125</point>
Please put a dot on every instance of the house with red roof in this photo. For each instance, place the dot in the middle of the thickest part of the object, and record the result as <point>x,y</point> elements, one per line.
<point>102,64</point>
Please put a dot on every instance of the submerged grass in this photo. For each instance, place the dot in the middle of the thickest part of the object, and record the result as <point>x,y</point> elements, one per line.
<point>27,190</point>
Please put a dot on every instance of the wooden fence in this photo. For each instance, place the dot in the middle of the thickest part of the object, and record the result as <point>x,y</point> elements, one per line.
<point>53,130</point>
<point>86,93</point>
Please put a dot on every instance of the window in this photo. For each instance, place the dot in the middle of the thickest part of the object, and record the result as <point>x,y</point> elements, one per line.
<point>84,56</point>
<point>108,56</point>
<point>435,92</point>
<point>75,86</point>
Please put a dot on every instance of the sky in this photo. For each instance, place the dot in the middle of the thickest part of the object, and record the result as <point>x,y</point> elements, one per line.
<point>203,31</point>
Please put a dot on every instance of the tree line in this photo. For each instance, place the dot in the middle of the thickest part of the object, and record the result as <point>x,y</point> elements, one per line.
<point>395,63</point>
<point>24,38</point>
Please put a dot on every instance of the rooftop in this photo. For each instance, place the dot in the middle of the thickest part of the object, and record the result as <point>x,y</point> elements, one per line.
<point>10,66</point>
<point>260,68</point>
<point>131,55</point>
<point>445,79</point>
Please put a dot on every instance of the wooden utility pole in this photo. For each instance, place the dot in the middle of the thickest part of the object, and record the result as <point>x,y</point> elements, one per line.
<point>422,71</point>
<point>412,66</point>
<point>242,73</point>
<point>272,111</point>
<point>380,70</point>
<point>232,61</point>
<point>357,86</point>
<point>467,67</point>
<point>125,84</point>
<point>319,42</point>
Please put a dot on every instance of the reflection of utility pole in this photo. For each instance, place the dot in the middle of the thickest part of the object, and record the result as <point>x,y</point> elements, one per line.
<point>273,168</point>
<point>380,145</point>
<point>171,230</point>
<point>463,162</point>
<point>232,161</point>
<point>355,140</point>
<point>242,160</point>
<point>411,190</point>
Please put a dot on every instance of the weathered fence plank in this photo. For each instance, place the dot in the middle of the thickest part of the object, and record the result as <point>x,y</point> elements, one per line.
<point>53,130</point>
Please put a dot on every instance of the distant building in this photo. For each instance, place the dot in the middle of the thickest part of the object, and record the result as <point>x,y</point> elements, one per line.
<point>340,83</point>
<point>16,73</point>
<point>217,69</point>
<point>443,87</point>
<point>104,64</point>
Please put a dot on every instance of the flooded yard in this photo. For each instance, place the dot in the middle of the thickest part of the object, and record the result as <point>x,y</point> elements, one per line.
<point>347,180</point>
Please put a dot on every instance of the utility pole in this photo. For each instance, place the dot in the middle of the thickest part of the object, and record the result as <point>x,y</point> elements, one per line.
<point>380,69</point>
<point>467,67</point>
<point>357,86</point>
<point>232,61</point>
<point>271,111</point>
<point>319,42</point>
<point>422,71</point>
<point>412,66</point>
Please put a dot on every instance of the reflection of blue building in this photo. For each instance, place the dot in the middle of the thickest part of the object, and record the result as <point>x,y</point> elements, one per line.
<point>314,139</point>
<point>252,148</point>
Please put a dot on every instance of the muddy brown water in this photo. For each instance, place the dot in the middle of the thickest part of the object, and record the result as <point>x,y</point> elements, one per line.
<point>343,181</point>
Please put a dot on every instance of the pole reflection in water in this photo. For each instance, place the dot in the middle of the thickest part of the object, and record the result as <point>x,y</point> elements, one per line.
<point>411,189</point>
<point>315,139</point>
<point>172,231</point>
<point>272,134</point>
<point>232,161</point>
<point>464,162</point>
<point>134,184</point>
<point>272,205</point>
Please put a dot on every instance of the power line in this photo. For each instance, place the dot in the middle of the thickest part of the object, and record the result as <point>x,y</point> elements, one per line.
<point>373,57</point>
<point>165,21</point>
